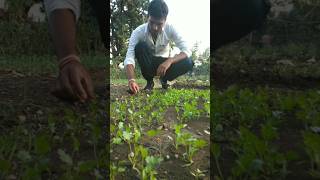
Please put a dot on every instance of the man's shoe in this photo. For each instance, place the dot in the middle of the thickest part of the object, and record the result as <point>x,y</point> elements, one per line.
<point>164,84</point>
<point>149,85</point>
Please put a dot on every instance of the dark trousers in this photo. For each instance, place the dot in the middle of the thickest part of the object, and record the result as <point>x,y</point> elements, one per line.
<point>100,9</point>
<point>149,64</point>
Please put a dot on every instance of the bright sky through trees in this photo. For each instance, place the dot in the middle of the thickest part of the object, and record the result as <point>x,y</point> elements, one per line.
<point>192,19</point>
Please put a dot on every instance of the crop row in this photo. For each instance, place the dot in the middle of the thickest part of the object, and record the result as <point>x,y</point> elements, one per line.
<point>137,117</point>
<point>250,125</point>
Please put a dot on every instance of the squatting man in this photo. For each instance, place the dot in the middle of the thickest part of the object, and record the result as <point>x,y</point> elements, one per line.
<point>149,44</point>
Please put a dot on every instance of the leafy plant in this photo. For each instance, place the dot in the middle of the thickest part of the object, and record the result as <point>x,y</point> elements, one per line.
<point>312,147</point>
<point>256,157</point>
<point>190,143</point>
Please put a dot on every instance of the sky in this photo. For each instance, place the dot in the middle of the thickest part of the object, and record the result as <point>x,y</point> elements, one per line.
<point>192,19</point>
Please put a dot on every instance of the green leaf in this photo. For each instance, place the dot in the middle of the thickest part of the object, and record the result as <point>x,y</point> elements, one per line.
<point>24,156</point>
<point>76,143</point>
<point>86,166</point>
<point>4,165</point>
<point>144,152</point>
<point>42,145</point>
<point>31,174</point>
<point>257,164</point>
<point>121,169</point>
<point>137,135</point>
<point>178,128</point>
<point>116,140</point>
<point>199,143</point>
<point>153,161</point>
<point>152,133</point>
<point>127,135</point>
<point>268,132</point>
<point>112,128</point>
<point>215,150</point>
<point>120,125</point>
<point>64,157</point>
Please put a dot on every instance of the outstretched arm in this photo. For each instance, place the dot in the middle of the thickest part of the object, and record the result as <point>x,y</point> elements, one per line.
<point>74,82</point>
<point>131,81</point>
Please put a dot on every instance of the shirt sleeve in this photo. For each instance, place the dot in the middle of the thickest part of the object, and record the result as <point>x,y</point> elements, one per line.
<point>179,41</point>
<point>133,41</point>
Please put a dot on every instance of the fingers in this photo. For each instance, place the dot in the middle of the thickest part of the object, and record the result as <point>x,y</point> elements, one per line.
<point>63,90</point>
<point>66,86</point>
<point>78,88</point>
<point>134,88</point>
<point>162,69</point>
<point>88,86</point>
<point>74,83</point>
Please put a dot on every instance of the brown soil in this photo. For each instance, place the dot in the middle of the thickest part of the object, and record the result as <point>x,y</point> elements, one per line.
<point>30,96</point>
<point>26,101</point>
<point>222,79</point>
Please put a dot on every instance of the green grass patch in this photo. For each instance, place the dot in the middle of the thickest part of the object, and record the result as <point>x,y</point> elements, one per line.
<point>46,64</point>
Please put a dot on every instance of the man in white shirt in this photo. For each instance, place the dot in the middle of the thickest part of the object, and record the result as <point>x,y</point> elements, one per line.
<point>149,44</point>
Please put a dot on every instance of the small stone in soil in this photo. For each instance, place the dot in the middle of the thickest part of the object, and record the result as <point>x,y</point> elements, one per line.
<point>207,132</point>
<point>12,177</point>
<point>22,118</point>
<point>168,157</point>
<point>131,154</point>
<point>176,156</point>
<point>39,112</point>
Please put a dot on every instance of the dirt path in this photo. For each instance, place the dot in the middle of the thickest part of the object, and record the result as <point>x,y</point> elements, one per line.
<point>221,79</point>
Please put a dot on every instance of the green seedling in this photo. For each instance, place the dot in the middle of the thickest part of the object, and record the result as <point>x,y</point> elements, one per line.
<point>198,174</point>
<point>312,146</point>
<point>115,170</point>
<point>216,152</point>
<point>191,144</point>
<point>256,157</point>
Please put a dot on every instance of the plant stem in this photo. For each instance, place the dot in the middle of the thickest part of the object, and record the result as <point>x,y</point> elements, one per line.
<point>218,167</point>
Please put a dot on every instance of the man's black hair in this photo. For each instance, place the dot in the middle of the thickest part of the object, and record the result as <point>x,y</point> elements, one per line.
<point>158,9</point>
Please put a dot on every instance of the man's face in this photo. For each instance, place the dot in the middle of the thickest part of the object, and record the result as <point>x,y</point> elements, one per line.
<point>156,25</point>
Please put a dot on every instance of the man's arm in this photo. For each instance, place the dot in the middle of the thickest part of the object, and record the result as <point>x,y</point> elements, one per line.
<point>134,87</point>
<point>74,82</point>
<point>178,57</point>
<point>130,71</point>
<point>182,45</point>
<point>129,62</point>
<point>162,69</point>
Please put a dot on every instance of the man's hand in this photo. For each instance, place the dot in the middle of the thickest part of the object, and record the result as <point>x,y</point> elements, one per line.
<point>134,87</point>
<point>74,83</point>
<point>162,69</point>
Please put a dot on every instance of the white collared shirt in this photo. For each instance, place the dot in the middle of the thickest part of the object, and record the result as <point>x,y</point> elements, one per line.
<point>161,47</point>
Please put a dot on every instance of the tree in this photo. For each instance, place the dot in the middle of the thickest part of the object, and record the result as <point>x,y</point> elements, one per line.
<point>126,15</point>
<point>194,51</point>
